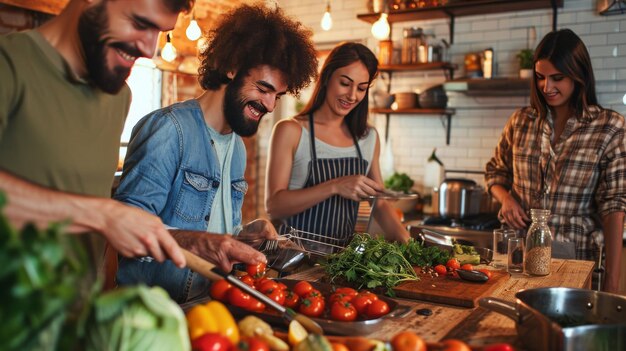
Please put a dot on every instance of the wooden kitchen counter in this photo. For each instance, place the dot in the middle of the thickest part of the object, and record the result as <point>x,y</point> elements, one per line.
<point>476,326</point>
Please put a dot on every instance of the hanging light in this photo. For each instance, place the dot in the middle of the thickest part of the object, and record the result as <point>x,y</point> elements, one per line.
<point>168,53</point>
<point>193,30</point>
<point>380,28</point>
<point>327,21</point>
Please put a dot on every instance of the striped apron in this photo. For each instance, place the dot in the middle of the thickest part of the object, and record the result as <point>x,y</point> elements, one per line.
<point>334,219</point>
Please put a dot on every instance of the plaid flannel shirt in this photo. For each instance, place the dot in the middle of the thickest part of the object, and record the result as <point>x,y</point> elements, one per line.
<point>583,177</point>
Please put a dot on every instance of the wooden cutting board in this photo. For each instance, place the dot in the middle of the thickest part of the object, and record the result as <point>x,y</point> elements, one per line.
<point>449,290</point>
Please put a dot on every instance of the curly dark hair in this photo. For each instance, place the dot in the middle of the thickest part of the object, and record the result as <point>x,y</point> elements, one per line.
<point>250,36</point>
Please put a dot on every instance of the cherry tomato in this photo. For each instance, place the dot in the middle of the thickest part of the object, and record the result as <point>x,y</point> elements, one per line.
<point>343,311</point>
<point>282,286</point>
<point>312,307</point>
<point>267,286</point>
<point>291,299</point>
<point>219,290</point>
<point>369,293</point>
<point>276,295</point>
<point>259,281</point>
<point>453,264</point>
<point>256,270</point>
<point>251,344</point>
<point>487,272</point>
<point>314,293</point>
<point>302,288</point>
<point>247,279</point>
<point>377,309</point>
<point>211,342</point>
<point>407,341</point>
<point>455,345</point>
<point>467,267</point>
<point>360,302</point>
<point>346,291</point>
<point>255,305</point>
<point>441,269</point>
<point>339,297</point>
<point>498,347</point>
<point>238,298</point>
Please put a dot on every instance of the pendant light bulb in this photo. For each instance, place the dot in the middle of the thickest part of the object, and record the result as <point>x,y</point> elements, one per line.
<point>193,30</point>
<point>327,21</point>
<point>380,28</point>
<point>168,53</point>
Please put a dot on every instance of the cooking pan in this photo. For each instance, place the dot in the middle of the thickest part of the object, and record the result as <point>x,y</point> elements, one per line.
<point>565,318</point>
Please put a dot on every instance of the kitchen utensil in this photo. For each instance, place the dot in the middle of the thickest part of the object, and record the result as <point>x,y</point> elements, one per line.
<point>433,97</point>
<point>430,238</point>
<point>283,255</point>
<point>472,276</point>
<point>459,198</point>
<point>565,318</point>
<point>360,326</point>
<point>206,269</point>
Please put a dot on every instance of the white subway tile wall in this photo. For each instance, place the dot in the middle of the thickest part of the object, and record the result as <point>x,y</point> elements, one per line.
<point>478,121</point>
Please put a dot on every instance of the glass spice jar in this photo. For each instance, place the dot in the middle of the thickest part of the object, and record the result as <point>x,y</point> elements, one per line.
<point>538,249</point>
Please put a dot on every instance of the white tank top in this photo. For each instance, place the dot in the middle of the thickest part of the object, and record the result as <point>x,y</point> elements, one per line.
<point>300,167</point>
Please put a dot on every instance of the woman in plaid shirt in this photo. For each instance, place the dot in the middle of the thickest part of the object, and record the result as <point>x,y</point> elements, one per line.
<point>567,154</point>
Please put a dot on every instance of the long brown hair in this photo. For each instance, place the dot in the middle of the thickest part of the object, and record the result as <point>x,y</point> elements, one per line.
<point>567,52</point>
<point>343,55</point>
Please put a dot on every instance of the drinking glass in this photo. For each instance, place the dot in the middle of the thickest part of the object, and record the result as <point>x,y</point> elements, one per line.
<point>516,255</point>
<point>500,246</point>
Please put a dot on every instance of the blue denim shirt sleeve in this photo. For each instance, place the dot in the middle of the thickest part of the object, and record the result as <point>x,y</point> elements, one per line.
<point>151,163</point>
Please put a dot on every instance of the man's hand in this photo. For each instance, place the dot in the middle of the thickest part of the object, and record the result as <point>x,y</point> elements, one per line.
<point>512,213</point>
<point>134,232</point>
<point>222,250</point>
<point>256,232</point>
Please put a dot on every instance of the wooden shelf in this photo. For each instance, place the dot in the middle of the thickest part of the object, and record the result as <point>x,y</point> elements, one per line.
<point>459,8</point>
<point>417,67</point>
<point>462,8</point>
<point>414,111</point>
<point>490,87</point>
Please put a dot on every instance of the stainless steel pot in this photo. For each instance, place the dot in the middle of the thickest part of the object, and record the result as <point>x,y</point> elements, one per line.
<point>459,198</point>
<point>565,319</point>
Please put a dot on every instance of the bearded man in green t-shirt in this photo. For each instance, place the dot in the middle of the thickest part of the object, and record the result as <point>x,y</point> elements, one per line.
<point>63,102</point>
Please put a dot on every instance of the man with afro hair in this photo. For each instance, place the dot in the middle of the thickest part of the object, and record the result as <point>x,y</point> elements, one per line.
<point>186,162</point>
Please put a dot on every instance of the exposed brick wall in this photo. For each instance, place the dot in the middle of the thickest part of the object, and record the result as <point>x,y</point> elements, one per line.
<point>478,122</point>
<point>16,19</point>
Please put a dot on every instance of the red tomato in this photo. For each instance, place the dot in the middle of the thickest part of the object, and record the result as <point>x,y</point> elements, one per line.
<point>314,293</point>
<point>238,298</point>
<point>247,279</point>
<point>256,270</point>
<point>441,269</point>
<point>282,286</point>
<point>219,290</point>
<point>498,347</point>
<point>360,302</point>
<point>339,346</point>
<point>277,295</point>
<point>407,341</point>
<point>302,288</point>
<point>346,291</point>
<point>377,309</point>
<point>453,264</point>
<point>369,293</point>
<point>252,344</point>
<point>455,345</point>
<point>467,267</point>
<point>291,299</point>
<point>487,272</point>
<point>339,297</point>
<point>259,281</point>
<point>255,305</point>
<point>343,311</point>
<point>312,307</point>
<point>211,342</point>
<point>267,286</point>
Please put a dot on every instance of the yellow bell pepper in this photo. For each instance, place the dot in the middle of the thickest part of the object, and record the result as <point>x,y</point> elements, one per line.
<point>212,317</point>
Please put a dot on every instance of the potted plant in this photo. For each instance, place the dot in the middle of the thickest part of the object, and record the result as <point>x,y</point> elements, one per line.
<point>525,57</point>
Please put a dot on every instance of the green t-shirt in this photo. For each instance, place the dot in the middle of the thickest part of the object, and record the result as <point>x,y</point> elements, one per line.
<point>57,130</point>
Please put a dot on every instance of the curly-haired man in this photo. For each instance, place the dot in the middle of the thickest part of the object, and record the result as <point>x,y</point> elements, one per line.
<point>186,162</point>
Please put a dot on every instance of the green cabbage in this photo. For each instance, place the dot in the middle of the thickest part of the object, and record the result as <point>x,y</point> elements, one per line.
<point>136,318</point>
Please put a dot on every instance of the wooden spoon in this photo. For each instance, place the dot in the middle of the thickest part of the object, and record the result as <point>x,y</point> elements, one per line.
<point>205,268</point>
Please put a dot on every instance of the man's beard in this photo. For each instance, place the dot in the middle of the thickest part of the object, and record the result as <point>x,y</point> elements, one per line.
<point>234,105</point>
<point>92,27</point>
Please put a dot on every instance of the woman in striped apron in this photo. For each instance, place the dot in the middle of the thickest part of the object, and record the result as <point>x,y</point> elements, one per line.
<point>323,161</point>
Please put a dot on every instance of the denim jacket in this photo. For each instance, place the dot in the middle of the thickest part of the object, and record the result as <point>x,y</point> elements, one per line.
<point>171,170</point>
